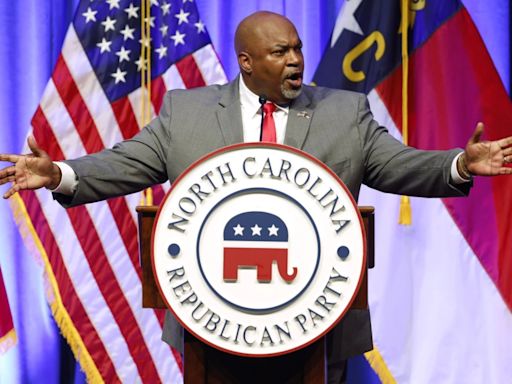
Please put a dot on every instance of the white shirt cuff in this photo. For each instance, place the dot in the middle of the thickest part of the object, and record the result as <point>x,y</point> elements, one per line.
<point>456,177</point>
<point>68,181</point>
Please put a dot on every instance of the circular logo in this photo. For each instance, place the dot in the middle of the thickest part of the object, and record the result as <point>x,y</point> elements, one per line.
<point>258,249</point>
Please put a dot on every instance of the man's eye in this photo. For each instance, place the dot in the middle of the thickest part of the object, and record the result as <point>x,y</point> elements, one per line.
<point>279,52</point>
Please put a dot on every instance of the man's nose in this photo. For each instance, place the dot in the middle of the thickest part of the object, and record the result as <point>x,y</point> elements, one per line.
<point>294,57</point>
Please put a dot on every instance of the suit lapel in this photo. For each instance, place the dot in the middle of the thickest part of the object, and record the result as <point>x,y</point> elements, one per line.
<point>229,114</point>
<point>299,120</point>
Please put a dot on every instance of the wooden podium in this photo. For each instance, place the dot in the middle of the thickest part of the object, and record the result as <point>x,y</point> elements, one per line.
<point>204,364</point>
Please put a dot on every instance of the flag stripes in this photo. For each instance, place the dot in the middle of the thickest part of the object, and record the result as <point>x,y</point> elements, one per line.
<point>92,250</point>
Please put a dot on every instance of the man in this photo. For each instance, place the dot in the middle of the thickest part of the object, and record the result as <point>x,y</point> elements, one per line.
<point>334,126</point>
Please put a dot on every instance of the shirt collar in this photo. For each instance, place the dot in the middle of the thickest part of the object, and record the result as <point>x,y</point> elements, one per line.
<point>250,101</point>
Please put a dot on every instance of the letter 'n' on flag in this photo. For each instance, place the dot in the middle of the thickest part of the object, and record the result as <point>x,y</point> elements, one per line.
<point>441,292</point>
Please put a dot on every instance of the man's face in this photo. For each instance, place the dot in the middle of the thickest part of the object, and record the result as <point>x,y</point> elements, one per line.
<point>276,62</point>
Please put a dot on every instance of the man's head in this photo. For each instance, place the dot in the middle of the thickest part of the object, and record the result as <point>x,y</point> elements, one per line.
<point>270,56</point>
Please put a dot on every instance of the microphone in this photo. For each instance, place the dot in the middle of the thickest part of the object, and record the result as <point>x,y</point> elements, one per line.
<point>262,99</point>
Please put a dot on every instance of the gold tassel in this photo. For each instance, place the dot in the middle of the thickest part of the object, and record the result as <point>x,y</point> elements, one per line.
<point>145,57</point>
<point>405,216</point>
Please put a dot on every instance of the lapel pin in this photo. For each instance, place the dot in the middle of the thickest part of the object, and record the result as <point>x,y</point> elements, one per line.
<point>303,114</point>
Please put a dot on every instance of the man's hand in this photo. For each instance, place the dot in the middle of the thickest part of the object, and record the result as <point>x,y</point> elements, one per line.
<point>31,171</point>
<point>486,158</point>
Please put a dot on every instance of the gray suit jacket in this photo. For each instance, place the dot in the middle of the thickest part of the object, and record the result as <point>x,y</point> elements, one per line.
<point>340,132</point>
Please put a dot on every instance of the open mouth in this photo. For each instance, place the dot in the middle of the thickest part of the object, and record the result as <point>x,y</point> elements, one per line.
<point>295,79</point>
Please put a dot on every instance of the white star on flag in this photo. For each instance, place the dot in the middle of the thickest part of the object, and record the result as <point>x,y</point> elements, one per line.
<point>165,8</point>
<point>109,24</point>
<point>256,230</point>
<point>179,38</point>
<point>123,54</point>
<point>346,20</point>
<point>141,64</point>
<point>132,11</point>
<point>127,32</point>
<point>182,16</point>
<point>239,230</point>
<point>113,4</point>
<point>89,15</point>
<point>119,76</point>
<point>200,26</point>
<point>272,231</point>
<point>162,51</point>
<point>104,45</point>
<point>164,29</point>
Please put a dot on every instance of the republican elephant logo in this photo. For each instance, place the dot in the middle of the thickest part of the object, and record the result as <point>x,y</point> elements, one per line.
<point>256,240</point>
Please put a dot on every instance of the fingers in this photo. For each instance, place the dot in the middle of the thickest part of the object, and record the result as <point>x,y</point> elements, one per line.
<point>7,174</point>
<point>32,144</point>
<point>10,158</point>
<point>15,188</point>
<point>505,142</point>
<point>477,134</point>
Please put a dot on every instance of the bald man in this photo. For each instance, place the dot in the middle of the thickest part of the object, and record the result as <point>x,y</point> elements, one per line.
<point>334,126</point>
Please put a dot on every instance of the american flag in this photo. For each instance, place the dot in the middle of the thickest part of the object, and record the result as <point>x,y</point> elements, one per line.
<point>7,334</point>
<point>92,101</point>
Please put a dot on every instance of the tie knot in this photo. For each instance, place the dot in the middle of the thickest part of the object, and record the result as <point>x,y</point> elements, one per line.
<point>269,108</point>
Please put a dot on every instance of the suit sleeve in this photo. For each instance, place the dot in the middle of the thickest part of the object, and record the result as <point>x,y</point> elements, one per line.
<point>393,167</point>
<point>128,167</point>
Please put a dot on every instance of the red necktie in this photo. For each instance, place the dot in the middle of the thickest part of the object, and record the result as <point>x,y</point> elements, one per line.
<point>269,127</point>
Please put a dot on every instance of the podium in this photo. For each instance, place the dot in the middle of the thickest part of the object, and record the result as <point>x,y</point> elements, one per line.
<point>204,364</point>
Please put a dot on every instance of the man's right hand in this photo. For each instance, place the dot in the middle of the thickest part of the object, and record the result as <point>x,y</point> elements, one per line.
<point>31,171</point>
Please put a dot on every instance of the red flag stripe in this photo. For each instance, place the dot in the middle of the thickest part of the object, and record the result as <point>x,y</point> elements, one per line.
<point>158,90</point>
<point>112,292</point>
<point>190,73</point>
<point>76,107</point>
<point>448,87</point>
<point>67,292</point>
<point>92,247</point>
<point>126,117</point>
<point>91,90</point>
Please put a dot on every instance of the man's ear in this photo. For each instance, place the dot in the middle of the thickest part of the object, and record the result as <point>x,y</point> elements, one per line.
<point>245,62</point>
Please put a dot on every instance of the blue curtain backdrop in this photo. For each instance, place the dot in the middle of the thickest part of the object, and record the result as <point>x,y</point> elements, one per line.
<point>31,34</point>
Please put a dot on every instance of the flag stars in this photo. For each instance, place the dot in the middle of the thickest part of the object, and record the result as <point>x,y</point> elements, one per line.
<point>162,51</point>
<point>104,45</point>
<point>132,11</point>
<point>108,24</point>
<point>150,20</point>
<point>124,54</point>
<point>146,41</point>
<point>119,76</point>
<point>239,230</point>
<point>89,15</point>
<point>113,4</point>
<point>200,27</point>
<point>141,64</point>
<point>154,2</point>
<point>272,231</point>
<point>256,230</point>
<point>164,29</point>
<point>182,16</point>
<point>127,33</point>
<point>178,38</point>
<point>165,8</point>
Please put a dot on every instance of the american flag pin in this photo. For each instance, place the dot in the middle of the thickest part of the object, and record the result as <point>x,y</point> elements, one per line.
<point>303,114</point>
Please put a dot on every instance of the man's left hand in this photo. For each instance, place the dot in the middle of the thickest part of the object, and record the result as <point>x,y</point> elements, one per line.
<point>487,158</point>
